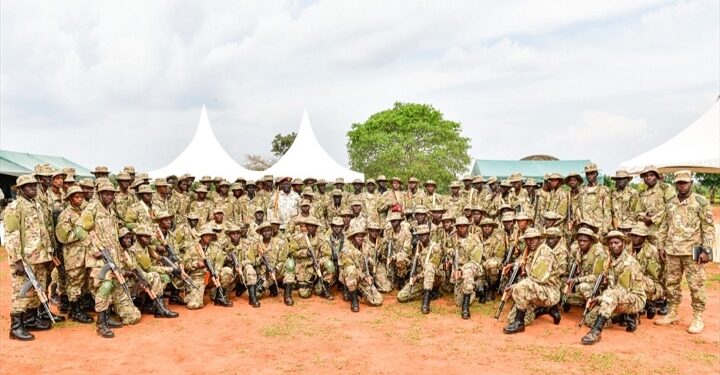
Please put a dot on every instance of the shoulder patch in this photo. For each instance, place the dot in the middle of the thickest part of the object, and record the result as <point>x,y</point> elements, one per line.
<point>701,200</point>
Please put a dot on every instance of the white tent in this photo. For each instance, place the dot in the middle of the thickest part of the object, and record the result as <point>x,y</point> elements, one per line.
<point>697,147</point>
<point>205,156</point>
<point>307,158</point>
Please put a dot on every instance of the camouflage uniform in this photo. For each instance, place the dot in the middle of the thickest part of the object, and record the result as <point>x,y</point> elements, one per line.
<point>137,258</point>
<point>214,254</point>
<point>590,268</point>
<point>625,293</point>
<point>299,266</point>
<point>624,205</point>
<point>101,226</point>
<point>494,251</point>
<point>594,205</point>
<point>353,273</point>
<point>428,273</point>
<point>26,238</point>
<point>402,251</point>
<point>541,287</point>
<point>74,252</point>
<point>689,223</point>
<point>652,268</point>
<point>470,263</point>
<point>275,252</point>
<point>653,201</point>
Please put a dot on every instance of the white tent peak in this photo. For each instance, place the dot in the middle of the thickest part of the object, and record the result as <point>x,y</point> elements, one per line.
<point>204,155</point>
<point>697,147</point>
<point>307,158</point>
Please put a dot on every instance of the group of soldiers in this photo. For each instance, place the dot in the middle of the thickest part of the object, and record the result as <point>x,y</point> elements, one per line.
<point>119,245</point>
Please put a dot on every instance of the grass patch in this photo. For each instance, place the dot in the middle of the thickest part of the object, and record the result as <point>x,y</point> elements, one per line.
<point>413,335</point>
<point>293,325</point>
<point>702,357</point>
<point>602,361</point>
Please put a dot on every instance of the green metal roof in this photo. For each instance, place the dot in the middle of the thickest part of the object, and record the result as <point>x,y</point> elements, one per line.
<point>536,169</point>
<point>18,163</point>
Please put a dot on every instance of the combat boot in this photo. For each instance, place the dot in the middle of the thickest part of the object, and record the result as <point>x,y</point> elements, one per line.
<point>620,320</point>
<point>175,298</point>
<point>670,318</point>
<point>273,290</point>
<point>325,292</point>
<point>517,325</point>
<point>425,309</point>
<point>435,294</point>
<point>161,311</point>
<point>697,324</point>
<point>288,295</point>
<point>554,312</point>
<point>354,303</point>
<point>252,297</point>
<point>64,305</point>
<point>102,325</point>
<point>77,314</point>
<point>111,322</point>
<point>566,307</point>
<point>239,289</point>
<point>33,322</point>
<point>631,322</point>
<point>662,307</point>
<point>466,306</point>
<point>595,333</point>
<point>345,293</point>
<point>480,295</point>
<point>45,315</point>
<point>17,328</point>
<point>540,311</point>
<point>650,309</point>
<point>221,299</point>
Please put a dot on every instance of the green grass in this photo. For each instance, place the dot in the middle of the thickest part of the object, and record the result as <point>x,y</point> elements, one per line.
<point>294,325</point>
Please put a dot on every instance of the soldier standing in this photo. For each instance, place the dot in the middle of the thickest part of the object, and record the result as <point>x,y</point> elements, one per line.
<point>624,198</point>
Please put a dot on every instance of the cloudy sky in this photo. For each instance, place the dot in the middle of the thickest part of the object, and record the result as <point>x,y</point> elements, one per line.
<point>123,82</point>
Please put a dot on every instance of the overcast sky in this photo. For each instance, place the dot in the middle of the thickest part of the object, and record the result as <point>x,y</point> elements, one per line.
<point>123,82</point>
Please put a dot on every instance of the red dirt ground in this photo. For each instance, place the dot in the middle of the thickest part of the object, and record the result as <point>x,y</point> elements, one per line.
<point>317,336</point>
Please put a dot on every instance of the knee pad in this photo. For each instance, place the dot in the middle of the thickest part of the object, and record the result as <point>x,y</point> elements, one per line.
<point>290,265</point>
<point>105,289</point>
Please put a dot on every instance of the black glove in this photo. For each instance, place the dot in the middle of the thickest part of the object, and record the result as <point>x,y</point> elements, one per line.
<point>176,272</point>
<point>19,269</point>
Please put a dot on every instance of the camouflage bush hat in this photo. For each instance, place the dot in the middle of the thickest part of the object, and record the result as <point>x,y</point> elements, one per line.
<point>355,202</point>
<point>236,186</point>
<point>73,190</point>
<point>250,183</point>
<point>505,183</point>
<point>337,221</point>
<point>321,182</point>
<point>553,232</point>
<point>124,177</point>
<point>422,229</point>
<point>143,176</point>
<point>488,221</point>
<point>241,180</point>
<point>129,169</point>
<point>102,180</point>
<point>467,178</point>
<point>70,179</point>
<point>478,180</point>
<point>508,216</point>
<point>192,216</point>
<point>124,232</point>
<point>161,182</point>
<point>201,189</point>
<point>296,181</point>
<point>137,182</point>
<point>477,208</point>
<point>552,215</point>
<point>447,216</point>
<point>162,215</point>
<point>650,169</point>
<point>310,180</point>
<point>531,233</point>
<point>515,177</point>
<point>311,220</point>
<point>413,179</point>
<point>591,167</point>
<point>145,189</point>
<point>100,169</point>
<point>555,176</point>
<point>585,232</point>
<point>276,221</point>
<point>396,179</point>
<point>346,212</point>
<point>621,174</point>
<point>206,179</point>
<point>25,179</point>
<point>230,228</point>
<point>394,216</point>
<point>223,183</point>
<point>306,203</point>
<point>530,182</point>
<point>430,182</point>
<point>258,209</point>
<point>370,182</point>
<point>522,216</point>
<point>614,234</point>
<point>492,180</point>
<point>337,192</point>
<point>462,220</point>
<point>421,210</point>
<point>439,208</point>
<point>43,170</point>
<point>106,186</point>
<point>143,230</point>
<point>573,175</point>
<point>58,172</point>
<point>87,182</point>
<point>339,180</point>
<point>455,184</point>
<point>354,231</point>
<point>206,229</point>
<point>381,178</point>
<point>626,225</point>
<point>639,230</point>
<point>374,225</point>
<point>218,210</point>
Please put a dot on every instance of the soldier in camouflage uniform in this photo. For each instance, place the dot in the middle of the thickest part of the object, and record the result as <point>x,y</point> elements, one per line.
<point>99,224</point>
<point>201,206</point>
<point>650,264</point>
<point>300,269</point>
<point>136,258</point>
<point>554,199</point>
<point>243,271</point>
<point>466,253</point>
<point>142,212</point>
<point>73,254</point>
<point>28,244</point>
<point>356,266</point>
<point>494,252</point>
<point>429,272</point>
<point>267,257</point>
<point>689,224</point>
<point>592,257</point>
<point>431,198</point>
<point>651,209</point>
<point>594,203</point>
<point>194,258</point>
<point>546,263</point>
<point>401,244</point>
<point>624,198</point>
<point>625,294</point>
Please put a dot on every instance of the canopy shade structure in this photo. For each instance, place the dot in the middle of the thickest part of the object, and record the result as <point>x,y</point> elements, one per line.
<point>696,147</point>
<point>18,163</point>
<point>307,158</point>
<point>536,169</point>
<point>205,156</point>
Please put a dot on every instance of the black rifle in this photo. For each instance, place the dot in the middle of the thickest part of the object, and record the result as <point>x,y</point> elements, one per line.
<point>413,270</point>
<point>506,260</point>
<point>336,249</point>
<point>513,278</point>
<point>238,270</point>
<point>178,272</point>
<point>316,265</point>
<point>112,267</point>
<point>269,270</point>
<point>214,277</point>
<point>33,283</point>
<point>145,285</point>
<point>596,290</point>
<point>569,287</point>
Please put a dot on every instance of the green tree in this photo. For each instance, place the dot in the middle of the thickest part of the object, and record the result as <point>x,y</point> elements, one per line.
<point>711,181</point>
<point>281,143</point>
<point>409,140</point>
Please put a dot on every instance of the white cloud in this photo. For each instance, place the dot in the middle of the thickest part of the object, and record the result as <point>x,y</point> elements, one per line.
<point>514,74</point>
